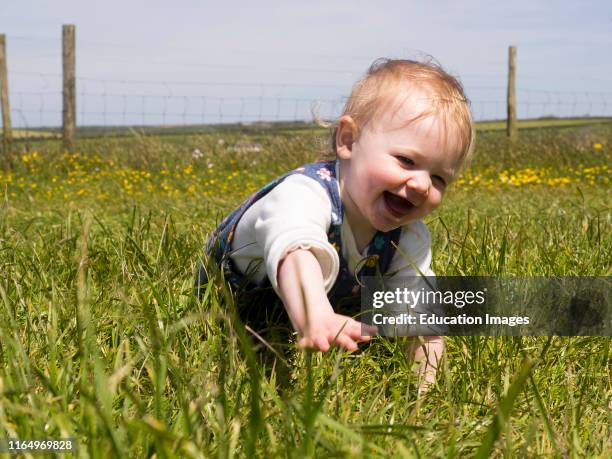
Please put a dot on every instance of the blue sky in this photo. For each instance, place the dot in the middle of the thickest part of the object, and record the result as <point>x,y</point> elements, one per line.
<point>191,61</point>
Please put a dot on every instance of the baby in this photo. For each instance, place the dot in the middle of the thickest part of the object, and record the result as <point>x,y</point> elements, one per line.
<point>309,236</point>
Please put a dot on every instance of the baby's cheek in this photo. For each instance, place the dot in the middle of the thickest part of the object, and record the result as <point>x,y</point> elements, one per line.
<point>436,199</point>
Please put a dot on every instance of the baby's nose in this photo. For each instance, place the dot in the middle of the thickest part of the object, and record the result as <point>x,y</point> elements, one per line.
<point>419,183</point>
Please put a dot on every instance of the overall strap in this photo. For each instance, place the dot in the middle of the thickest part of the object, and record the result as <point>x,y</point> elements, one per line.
<point>219,244</point>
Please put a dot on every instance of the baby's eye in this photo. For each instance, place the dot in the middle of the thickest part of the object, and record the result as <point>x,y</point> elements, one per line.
<point>405,160</point>
<point>439,179</point>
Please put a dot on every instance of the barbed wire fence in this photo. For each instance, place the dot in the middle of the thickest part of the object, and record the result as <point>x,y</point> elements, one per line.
<point>113,103</point>
<point>97,105</point>
<point>101,106</point>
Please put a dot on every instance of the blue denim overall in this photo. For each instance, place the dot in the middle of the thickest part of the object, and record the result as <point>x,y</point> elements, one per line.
<point>345,294</point>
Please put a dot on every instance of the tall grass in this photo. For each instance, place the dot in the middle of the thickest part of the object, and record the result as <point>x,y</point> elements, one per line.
<point>103,339</point>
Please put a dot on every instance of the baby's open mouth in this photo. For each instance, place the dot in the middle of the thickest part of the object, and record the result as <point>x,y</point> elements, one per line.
<point>397,205</point>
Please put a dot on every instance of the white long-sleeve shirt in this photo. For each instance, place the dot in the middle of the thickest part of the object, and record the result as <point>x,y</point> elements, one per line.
<point>297,214</point>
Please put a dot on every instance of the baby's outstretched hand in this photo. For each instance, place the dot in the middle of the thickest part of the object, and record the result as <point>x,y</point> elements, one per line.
<point>335,329</point>
<point>300,282</point>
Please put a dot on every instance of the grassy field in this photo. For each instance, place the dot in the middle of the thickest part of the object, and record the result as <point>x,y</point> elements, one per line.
<point>102,339</point>
<point>20,134</point>
<point>288,127</point>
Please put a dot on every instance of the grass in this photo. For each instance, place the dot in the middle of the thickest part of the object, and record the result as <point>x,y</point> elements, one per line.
<point>285,127</point>
<point>539,123</point>
<point>103,340</point>
<point>38,133</point>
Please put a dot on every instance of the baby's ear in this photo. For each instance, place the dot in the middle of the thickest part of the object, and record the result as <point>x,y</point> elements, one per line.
<point>346,134</point>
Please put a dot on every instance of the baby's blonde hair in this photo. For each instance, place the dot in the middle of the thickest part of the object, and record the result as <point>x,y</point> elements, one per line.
<point>386,78</point>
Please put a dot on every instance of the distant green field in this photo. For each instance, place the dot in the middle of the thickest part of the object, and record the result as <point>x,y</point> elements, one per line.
<point>543,123</point>
<point>285,127</point>
<point>20,134</point>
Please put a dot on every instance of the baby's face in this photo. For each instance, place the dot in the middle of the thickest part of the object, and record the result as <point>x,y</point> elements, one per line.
<point>397,171</point>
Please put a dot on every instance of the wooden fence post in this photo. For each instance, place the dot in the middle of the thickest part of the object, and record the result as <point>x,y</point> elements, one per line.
<point>7,135</point>
<point>69,92</point>
<point>511,126</point>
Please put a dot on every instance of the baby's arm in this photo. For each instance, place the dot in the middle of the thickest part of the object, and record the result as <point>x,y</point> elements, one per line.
<point>300,283</point>
<point>427,352</point>
<point>288,229</point>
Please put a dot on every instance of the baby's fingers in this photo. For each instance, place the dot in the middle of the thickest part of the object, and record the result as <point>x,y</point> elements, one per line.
<point>369,330</point>
<point>345,341</point>
<point>321,343</point>
<point>304,343</point>
<point>360,331</point>
<point>318,343</point>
